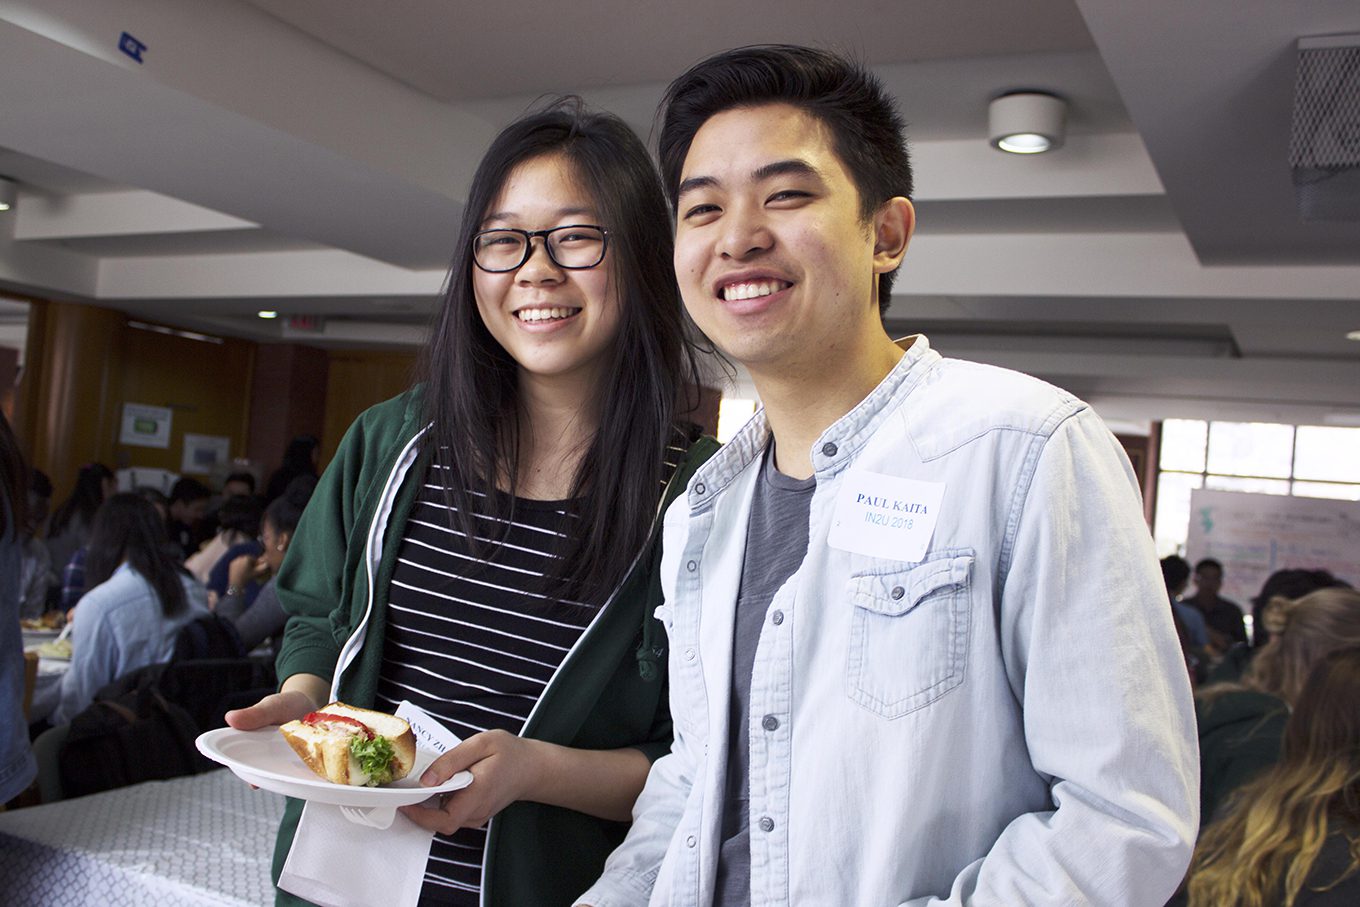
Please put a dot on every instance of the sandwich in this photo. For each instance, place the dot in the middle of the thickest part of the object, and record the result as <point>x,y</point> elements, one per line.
<point>348,745</point>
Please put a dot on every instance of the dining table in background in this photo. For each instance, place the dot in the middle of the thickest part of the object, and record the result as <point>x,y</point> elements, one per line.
<point>198,840</point>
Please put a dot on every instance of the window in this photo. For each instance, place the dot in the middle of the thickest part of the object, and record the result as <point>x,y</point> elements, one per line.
<point>1264,457</point>
<point>733,413</point>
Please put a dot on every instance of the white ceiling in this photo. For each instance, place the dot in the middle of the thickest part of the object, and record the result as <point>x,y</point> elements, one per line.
<point>311,156</point>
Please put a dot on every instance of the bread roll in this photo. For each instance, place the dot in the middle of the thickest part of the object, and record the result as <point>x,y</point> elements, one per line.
<point>323,740</point>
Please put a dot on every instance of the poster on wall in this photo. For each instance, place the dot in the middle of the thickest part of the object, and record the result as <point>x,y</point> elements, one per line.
<point>204,452</point>
<point>145,426</point>
<point>1256,534</point>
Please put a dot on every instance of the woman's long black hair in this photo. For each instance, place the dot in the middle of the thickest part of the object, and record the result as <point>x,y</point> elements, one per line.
<point>472,391</point>
<point>84,501</point>
<point>128,528</point>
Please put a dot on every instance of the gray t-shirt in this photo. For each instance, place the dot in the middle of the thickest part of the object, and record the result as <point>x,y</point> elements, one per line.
<point>776,542</point>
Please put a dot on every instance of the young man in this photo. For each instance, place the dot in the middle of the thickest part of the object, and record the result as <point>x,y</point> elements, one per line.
<point>188,505</point>
<point>919,651</point>
<point>1223,617</point>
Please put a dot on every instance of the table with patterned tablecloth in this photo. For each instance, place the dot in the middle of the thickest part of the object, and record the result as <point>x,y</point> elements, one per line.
<point>204,839</point>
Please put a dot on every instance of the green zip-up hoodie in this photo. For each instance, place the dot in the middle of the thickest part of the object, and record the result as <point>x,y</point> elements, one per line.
<point>610,692</point>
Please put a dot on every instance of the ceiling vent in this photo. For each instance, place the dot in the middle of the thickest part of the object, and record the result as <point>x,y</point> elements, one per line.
<point>1324,149</point>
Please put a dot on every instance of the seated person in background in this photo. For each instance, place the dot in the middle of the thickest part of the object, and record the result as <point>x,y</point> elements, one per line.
<point>1292,583</point>
<point>299,459</point>
<point>1176,575</point>
<point>1292,836</point>
<point>238,485</point>
<point>1190,628</point>
<point>188,504</point>
<point>70,527</point>
<point>264,618</point>
<point>73,574</point>
<point>139,599</point>
<point>1241,725</point>
<point>1267,619</point>
<point>238,522</point>
<point>219,582</point>
<point>73,580</point>
<point>36,577</point>
<point>1222,617</point>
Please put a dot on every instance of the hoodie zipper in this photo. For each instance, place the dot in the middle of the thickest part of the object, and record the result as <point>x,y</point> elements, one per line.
<point>373,555</point>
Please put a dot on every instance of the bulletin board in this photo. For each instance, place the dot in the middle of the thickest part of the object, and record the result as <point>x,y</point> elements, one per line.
<point>1256,534</point>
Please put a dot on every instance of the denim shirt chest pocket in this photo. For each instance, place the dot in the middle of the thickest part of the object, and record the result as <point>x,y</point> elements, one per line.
<point>909,632</point>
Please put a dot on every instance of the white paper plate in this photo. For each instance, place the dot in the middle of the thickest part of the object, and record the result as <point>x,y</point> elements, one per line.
<point>263,758</point>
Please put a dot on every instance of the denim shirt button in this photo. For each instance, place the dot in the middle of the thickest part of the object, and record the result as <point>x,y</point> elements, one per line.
<point>766,823</point>
<point>829,449</point>
<point>777,618</point>
<point>897,593</point>
<point>692,566</point>
<point>770,723</point>
<point>691,841</point>
<point>689,655</point>
<point>699,488</point>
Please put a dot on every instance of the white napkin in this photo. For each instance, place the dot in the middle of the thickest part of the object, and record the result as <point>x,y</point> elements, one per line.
<point>337,863</point>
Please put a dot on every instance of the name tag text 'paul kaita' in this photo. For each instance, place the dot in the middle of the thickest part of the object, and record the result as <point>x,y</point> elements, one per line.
<point>885,516</point>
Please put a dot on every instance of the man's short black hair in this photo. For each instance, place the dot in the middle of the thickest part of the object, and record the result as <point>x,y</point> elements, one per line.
<point>1175,571</point>
<point>189,490</point>
<point>246,478</point>
<point>1209,562</point>
<point>867,132</point>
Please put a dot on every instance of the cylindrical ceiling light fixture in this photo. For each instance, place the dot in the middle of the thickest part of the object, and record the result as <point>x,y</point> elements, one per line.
<point>1027,122</point>
<point>9,193</point>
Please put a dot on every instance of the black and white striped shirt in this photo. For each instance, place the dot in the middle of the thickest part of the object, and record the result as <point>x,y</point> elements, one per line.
<point>474,642</point>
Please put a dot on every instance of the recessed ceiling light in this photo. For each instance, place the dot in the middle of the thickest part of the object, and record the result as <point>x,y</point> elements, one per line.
<point>1027,122</point>
<point>265,313</point>
<point>1353,335</point>
<point>8,193</point>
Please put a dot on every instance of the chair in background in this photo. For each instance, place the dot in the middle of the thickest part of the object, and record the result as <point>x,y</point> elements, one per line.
<point>46,750</point>
<point>30,680</point>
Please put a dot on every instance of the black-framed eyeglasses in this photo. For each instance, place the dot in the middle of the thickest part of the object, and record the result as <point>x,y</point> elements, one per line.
<point>575,247</point>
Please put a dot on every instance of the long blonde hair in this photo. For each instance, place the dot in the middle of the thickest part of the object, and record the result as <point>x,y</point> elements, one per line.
<point>1314,625</point>
<point>1276,825</point>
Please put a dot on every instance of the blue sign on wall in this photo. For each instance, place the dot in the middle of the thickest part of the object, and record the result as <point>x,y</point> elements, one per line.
<point>131,46</point>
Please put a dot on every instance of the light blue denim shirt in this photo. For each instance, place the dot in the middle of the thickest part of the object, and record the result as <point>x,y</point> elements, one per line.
<point>1006,720</point>
<point>118,628</point>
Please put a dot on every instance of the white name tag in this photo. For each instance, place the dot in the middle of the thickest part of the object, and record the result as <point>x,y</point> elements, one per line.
<point>885,516</point>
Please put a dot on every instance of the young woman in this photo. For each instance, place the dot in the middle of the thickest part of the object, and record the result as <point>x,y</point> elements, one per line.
<point>238,523</point>
<point>1241,726</point>
<point>1291,838</point>
<point>262,618</point>
<point>139,599</point>
<point>491,535</point>
<point>71,521</point>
